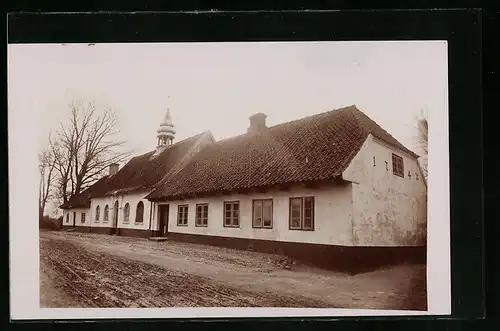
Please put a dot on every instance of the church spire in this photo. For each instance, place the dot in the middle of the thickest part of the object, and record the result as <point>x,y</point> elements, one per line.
<point>166,132</point>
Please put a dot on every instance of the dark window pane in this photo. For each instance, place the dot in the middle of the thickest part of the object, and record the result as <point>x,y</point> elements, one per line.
<point>139,214</point>
<point>267,213</point>
<point>295,222</point>
<point>397,165</point>
<point>308,203</point>
<point>296,203</point>
<point>257,213</point>
<point>308,223</point>
<point>308,213</point>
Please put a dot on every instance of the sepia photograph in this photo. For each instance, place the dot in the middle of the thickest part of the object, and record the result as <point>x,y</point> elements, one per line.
<point>224,175</point>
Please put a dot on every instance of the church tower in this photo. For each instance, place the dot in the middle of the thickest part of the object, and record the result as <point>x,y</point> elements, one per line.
<point>165,133</point>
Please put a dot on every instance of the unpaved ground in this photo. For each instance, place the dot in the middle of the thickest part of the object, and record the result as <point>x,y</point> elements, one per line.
<point>91,270</point>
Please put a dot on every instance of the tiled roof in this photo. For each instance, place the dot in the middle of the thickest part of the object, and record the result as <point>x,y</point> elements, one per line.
<point>82,200</point>
<point>144,171</point>
<point>140,173</point>
<point>317,147</point>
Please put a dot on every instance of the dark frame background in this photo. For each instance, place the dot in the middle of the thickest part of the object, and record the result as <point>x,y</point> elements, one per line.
<point>462,30</point>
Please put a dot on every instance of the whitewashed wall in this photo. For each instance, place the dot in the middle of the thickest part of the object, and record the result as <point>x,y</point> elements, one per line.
<point>388,210</point>
<point>78,212</point>
<point>332,221</point>
<point>133,199</point>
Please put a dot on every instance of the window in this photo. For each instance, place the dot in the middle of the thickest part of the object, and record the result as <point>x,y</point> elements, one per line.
<point>182,215</point>
<point>201,214</point>
<point>139,212</point>
<point>67,218</point>
<point>232,214</point>
<point>397,165</point>
<point>97,213</point>
<point>106,213</point>
<point>263,214</point>
<point>302,213</point>
<point>83,218</point>
<point>126,213</point>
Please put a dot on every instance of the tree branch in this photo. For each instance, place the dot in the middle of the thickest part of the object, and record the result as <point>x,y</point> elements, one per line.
<point>84,148</point>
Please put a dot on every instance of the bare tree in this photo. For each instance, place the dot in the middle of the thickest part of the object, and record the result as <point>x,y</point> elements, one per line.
<point>423,140</point>
<point>84,147</point>
<point>46,167</point>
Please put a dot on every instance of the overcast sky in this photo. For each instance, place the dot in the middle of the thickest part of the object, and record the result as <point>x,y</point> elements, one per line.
<point>216,86</point>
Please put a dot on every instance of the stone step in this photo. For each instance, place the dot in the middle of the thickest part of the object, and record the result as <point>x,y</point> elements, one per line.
<point>158,238</point>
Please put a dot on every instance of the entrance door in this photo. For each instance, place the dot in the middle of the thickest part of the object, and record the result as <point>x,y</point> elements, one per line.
<point>74,219</point>
<point>163,220</point>
<point>115,218</point>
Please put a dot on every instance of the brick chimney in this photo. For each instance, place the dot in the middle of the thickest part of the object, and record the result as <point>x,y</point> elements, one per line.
<point>257,123</point>
<point>113,169</point>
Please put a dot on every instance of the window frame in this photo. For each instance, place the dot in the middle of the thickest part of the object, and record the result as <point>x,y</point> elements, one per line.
<point>198,221</point>
<point>395,165</point>
<point>261,201</point>
<point>186,213</point>
<point>126,213</point>
<point>83,217</point>
<point>231,218</point>
<point>302,213</point>
<point>137,213</point>
<point>105,218</point>
<point>97,213</point>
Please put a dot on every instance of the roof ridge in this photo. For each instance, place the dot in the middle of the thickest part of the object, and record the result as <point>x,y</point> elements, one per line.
<point>353,106</point>
<point>316,115</point>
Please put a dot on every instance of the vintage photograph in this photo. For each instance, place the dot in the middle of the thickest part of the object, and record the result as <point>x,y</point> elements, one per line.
<point>286,175</point>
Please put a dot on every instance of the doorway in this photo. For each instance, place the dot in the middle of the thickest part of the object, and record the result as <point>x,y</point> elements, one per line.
<point>115,218</point>
<point>163,220</point>
<point>74,219</point>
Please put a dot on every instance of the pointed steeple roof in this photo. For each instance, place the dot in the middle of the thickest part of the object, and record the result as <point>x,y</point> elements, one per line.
<point>166,128</point>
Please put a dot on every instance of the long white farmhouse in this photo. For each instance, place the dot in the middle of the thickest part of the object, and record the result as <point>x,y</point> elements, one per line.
<point>333,188</point>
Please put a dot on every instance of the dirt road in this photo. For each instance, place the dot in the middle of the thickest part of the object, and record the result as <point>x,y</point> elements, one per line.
<point>90,270</point>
